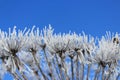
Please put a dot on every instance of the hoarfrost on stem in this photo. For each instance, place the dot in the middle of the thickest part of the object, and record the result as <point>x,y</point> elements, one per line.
<point>50,56</point>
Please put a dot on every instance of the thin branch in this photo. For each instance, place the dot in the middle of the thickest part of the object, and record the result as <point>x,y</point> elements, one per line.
<point>103,73</point>
<point>77,69</point>
<point>59,66</point>
<point>39,66</point>
<point>118,76</point>
<point>88,71</point>
<point>72,69</point>
<point>96,73</point>
<point>56,69</point>
<point>49,65</point>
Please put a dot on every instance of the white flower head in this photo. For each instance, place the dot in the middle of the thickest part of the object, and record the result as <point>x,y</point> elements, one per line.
<point>58,44</point>
<point>34,41</point>
<point>75,42</point>
<point>108,50</point>
<point>10,44</point>
<point>13,42</point>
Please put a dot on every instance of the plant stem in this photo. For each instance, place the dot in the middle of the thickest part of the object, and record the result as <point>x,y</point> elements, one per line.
<point>108,76</point>
<point>77,69</point>
<point>59,66</point>
<point>96,74</point>
<point>103,73</point>
<point>118,76</point>
<point>56,69</point>
<point>67,77</point>
<point>49,64</point>
<point>16,76</point>
<point>39,66</point>
<point>72,70</point>
<point>82,71</point>
<point>88,72</point>
<point>18,64</point>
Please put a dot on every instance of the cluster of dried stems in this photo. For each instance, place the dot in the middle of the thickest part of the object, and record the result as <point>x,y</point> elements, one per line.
<point>43,55</point>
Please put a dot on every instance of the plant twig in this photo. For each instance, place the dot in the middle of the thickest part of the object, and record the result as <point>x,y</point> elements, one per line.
<point>88,72</point>
<point>96,73</point>
<point>77,69</point>
<point>39,67</point>
<point>72,69</point>
<point>59,66</point>
<point>103,73</point>
<point>56,69</point>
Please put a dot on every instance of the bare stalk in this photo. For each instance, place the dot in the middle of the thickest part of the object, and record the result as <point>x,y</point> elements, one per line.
<point>103,73</point>
<point>82,78</point>
<point>16,76</point>
<point>88,72</point>
<point>118,76</point>
<point>36,74</point>
<point>96,74</point>
<point>108,76</point>
<point>13,73</point>
<point>39,66</point>
<point>56,69</point>
<point>59,66</point>
<point>17,63</point>
<point>72,70</point>
<point>67,77</point>
<point>49,65</point>
<point>77,69</point>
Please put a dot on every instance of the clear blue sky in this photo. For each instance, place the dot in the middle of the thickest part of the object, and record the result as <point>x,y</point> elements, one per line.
<point>92,16</point>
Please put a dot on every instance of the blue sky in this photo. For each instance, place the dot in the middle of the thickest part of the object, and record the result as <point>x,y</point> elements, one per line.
<point>94,17</point>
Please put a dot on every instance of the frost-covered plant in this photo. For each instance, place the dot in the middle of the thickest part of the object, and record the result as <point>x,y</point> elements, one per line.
<point>107,56</point>
<point>34,54</point>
